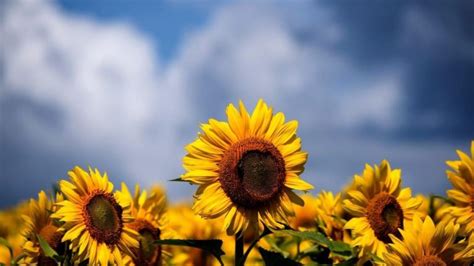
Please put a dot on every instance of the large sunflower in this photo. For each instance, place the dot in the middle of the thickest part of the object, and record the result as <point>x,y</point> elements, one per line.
<point>148,211</point>
<point>462,178</point>
<point>379,207</point>
<point>246,168</point>
<point>93,219</point>
<point>38,222</point>
<point>422,244</point>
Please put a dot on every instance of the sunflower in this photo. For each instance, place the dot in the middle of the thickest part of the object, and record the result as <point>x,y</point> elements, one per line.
<point>305,216</point>
<point>148,211</point>
<point>379,207</point>
<point>330,210</point>
<point>195,227</point>
<point>38,221</point>
<point>423,243</point>
<point>462,178</point>
<point>93,219</point>
<point>435,207</point>
<point>11,227</point>
<point>323,211</point>
<point>246,169</point>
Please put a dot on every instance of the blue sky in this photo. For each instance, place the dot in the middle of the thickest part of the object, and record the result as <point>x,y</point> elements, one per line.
<point>124,86</point>
<point>167,22</point>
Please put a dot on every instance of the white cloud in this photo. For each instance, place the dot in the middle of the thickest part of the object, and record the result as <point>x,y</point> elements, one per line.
<point>103,79</point>
<point>264,57</point>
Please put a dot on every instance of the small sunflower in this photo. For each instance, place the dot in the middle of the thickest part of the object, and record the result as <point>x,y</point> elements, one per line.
<point>186,225</point>
<point>323,213</point>
<point>379,207</point>
<point>462,178</point>
<point>11,227</point>
<point>305,216</point>
<point>38,222</point>
<point>93,219</point>
<point>246,169</point>
<point>424,244</point>
<point>330,210</point>
<point>148,211</point>
<point>435,207</point>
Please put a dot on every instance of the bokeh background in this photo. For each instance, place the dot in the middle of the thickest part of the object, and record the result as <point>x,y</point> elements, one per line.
<point>124,85</point>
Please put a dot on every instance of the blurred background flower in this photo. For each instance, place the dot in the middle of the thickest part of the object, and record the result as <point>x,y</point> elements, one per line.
<point>123,85</point>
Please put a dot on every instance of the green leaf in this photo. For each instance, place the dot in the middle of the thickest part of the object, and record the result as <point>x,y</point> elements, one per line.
<point>276,246</point>
<point>338,247</point>
<point>47,249</point>
<point>341,248</point>
<point>212,246</point>
<point>309,235</point>
<point>274,258</point>
<point>5,243</point>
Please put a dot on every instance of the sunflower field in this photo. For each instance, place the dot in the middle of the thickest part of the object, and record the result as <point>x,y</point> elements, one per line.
<point>250,207</point>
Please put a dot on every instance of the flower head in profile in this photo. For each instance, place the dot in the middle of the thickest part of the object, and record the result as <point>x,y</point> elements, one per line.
<point>462,178</point>
<point>305,216</point>
<point>421,243</point>
<point>148,211</point>
<point>246,168</point>
<point>186,225</point>
<point>329,218</point>
<point>436,207</point>
<point>322,212</point>
<point>38,221</point>
<point>93,220</point>
<point>379,207</point>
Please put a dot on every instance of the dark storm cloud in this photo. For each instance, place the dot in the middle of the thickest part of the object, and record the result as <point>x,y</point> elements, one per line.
<point>434,41</point>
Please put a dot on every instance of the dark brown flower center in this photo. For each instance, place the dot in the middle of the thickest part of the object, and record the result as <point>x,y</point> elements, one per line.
<point>430,260</point>
<point>148,253</point>
<point>385,216</point>
<point>103,217</point>
<point>252,173</point>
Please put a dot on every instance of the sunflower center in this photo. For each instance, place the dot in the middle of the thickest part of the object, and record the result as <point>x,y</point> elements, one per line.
<point>148,252</point>
<point>252,172</point>
<point>429,260</point>
<point>385,216</point>
<point>258,172</point>
<point>103,217</point>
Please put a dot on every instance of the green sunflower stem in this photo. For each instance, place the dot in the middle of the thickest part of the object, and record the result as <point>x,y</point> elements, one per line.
<point>239,248</point>
<point>265,232</point>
